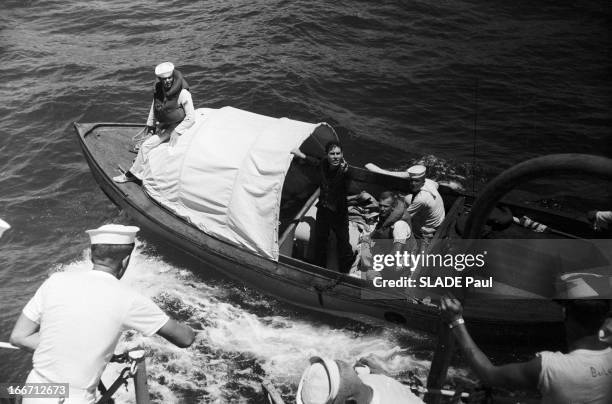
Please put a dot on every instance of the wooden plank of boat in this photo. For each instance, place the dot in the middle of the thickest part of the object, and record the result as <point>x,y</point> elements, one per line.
<point>106,148</point>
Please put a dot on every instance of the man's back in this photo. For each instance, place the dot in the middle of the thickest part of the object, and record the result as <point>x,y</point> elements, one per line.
<point>427,207</point>
<point>81,316</point>
<point>582,376</point>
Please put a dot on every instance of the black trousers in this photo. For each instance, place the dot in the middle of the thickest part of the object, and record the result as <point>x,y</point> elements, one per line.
<point>338,223</point>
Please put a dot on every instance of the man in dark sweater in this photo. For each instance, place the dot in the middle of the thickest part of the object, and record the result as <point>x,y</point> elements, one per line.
<point>332,210</point>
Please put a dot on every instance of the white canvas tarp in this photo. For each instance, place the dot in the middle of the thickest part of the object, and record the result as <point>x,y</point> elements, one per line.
<point>226,174</point>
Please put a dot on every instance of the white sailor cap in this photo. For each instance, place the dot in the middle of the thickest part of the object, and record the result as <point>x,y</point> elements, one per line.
<point>584,285</point>
<point>164,70</point>
<point>320,382</point>
<point>113,234</point>
<point>3,226</point>
<point>417,172</point>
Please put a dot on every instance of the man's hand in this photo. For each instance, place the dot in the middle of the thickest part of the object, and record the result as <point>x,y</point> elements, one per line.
<point>150,130</point>
<point>173,138</point>
<point>298,153</point>
<point>344,166</point>
<point>376,365</point>
<point>451,308</point>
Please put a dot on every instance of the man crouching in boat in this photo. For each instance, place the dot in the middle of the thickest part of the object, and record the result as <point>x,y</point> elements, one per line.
<point>75,319</point>
<point>394,221</point>
<point>393,224</point>
<point>584,375</point>
<point>172,109</point>
<point>425,204</point>
<point>328,381</point>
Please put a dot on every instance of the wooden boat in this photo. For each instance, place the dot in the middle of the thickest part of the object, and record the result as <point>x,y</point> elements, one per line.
<point>519,320</point>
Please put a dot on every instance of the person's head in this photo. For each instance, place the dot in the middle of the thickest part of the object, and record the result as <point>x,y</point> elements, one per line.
<point>3,226</point>
<point>165,74</point>
<point>327,381</point>
<point>386,200</point>
<point>584,317</point>
<point>416,174</point>
<point>111,247</point>
<point>605,331</point>
<point>333,149</point>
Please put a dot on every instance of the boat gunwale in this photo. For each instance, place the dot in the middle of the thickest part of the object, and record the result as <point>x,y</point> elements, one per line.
<point>310,270</point>
<point>305,269</point>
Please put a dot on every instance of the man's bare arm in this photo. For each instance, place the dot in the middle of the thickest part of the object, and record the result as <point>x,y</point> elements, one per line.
<point>520,375</point>
<point>179,334</point>
<point>376,169</point>
<point>25,334</point>
<point>523,375</point>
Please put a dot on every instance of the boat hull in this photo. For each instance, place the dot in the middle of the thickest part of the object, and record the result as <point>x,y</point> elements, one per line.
<point>517,322</point>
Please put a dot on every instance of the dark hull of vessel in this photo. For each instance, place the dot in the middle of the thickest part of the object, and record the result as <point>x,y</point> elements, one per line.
<point>518,322</point>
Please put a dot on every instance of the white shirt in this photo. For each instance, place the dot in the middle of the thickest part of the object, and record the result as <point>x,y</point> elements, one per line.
<point>427,208</point>
<point>603,219</point>
<point>388,390</point>
<point>401,231</point>
<point>185,100</point>
<point>81,316</point>
<point>579,377</point>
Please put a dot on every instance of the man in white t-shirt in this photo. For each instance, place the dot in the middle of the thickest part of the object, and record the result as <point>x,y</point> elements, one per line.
<point>328,381</point>
<point>75,319</point>
<point>583,375</point>
<point>425,203</point>
<point>601,219</point>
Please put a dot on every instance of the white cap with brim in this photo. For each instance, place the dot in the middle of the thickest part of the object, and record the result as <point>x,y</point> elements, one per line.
<point>320,382</point>
<point>164,70</point>
<point>584,285</point>
<point>416,172</point>
<point>113,234</point>
<point>3,226</point>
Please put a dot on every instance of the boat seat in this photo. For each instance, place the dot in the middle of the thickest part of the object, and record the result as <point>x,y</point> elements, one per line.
<point>286,240</point>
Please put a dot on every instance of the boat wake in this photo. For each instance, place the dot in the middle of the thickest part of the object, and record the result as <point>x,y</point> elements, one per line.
<point>243,337</point>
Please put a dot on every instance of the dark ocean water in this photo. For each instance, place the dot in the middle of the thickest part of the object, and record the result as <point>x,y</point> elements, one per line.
<point>401,81</point>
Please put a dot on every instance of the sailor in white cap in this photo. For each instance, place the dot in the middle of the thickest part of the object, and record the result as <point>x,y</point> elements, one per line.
<point>425,203</point>
<point>4,226</point>
<point>328,381</point>
<point>75,319</point>
<point>601,219</point>
<point>584,375</point>
<point>171,114</point>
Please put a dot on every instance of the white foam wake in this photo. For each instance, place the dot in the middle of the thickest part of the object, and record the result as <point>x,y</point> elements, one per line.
<point>241,338</point>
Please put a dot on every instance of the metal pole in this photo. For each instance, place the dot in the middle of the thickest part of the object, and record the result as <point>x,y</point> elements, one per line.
<point>140,384</point>
<point>440,362</point>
